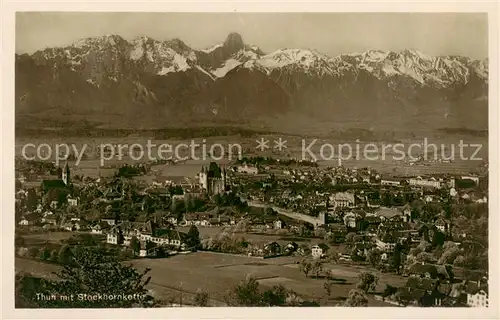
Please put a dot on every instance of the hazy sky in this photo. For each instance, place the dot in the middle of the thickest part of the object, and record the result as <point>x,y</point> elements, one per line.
<point>330,33</point>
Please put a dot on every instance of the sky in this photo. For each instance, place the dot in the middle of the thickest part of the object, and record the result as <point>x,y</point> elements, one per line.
<point>330,33</point>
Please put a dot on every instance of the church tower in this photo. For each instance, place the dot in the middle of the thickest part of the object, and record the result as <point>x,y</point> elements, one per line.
<point>203,178</point>
<point>224,179</point>
<point>65,176</point>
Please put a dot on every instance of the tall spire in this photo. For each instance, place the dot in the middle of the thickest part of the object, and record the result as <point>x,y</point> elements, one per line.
<point>66,173</point>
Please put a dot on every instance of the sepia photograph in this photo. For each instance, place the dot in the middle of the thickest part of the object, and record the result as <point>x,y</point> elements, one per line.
<point>251,159</point>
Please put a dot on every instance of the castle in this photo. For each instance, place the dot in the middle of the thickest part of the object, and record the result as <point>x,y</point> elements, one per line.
<point>213,179</point>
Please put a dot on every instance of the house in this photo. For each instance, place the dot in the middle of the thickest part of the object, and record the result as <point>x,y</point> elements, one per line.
<point>350,220</point>
<point>291,247</point>
<point>428,183</point>
<point>68,226</point>
<point>47,213</point>
<point>196,219</point>
<point>29,220</point>
<point>385,213</point>
<point>53,204</point>
<point>72,201</point>
<point>406,209</point>
<point>219,221</point>
<point>385,246</point>
<point>481,200</point>
<point>319,250</point>
<point>337,233</point>
<point>424,270</point>
<point>24,222</point>
<point>453,192</point>
<point>100,227</point>
<point>109,221</point>
<point>247,169</point>
<point>144,252</point>
<point>362,248</point>
<point>390,182</point>
<point>81,225</point>
<point>423,292</point>
<point>172,219</point>
<point>342,200</point>
<point>278,223</point>
<point>145,231</point>
<point>49,221</point>
<point>272,249</point>
<point>442,225</point>
<point>471,177</point>
<point>477,295</point>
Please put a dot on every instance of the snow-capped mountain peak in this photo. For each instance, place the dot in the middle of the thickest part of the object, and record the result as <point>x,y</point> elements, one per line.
<point>102,42</point>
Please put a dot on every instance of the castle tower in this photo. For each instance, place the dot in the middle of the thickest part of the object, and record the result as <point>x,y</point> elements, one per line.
<point>65,176</point>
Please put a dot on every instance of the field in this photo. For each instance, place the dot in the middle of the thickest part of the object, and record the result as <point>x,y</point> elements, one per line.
<point>216,273</point>
<point>49,236</point>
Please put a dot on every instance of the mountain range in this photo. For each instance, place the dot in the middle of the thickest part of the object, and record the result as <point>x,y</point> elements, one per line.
<point>145,83</point>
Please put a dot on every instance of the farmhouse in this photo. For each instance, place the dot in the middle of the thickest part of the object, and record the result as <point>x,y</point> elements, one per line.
<point>319,250</point>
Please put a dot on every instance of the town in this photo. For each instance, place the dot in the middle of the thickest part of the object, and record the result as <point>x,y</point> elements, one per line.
<point>408,240</point>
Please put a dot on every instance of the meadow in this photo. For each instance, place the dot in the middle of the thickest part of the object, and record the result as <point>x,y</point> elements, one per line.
<point>180,276</point>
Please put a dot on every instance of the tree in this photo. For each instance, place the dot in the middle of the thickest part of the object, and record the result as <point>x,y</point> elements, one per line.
<point>54,256</point>
<point>304,248</point>
<point>276,296</point>
<point>424,257</point>
<point>328,286</point>
<point>305,266</point>
<point>356,298</point>
<point>317,268</point>
<point>367,281</point>
<point>19,241</point>
<point>201,298</point>
<point>396,257</point>
<point>438,238</point>
<point>193,237</point>
<point>389,290</point>
<point>161,253</point>
<point>374,257</point>
<point>402,297</point>
<point>247,294</point>
<point>332,256</point>
<point>45,254</point>
<point>350,237</point>
<point>33,252</point>
<point>91,274</point>
<point>135,245</point>
<point>459,261</point>
<point>451,252</point>
<point>150,245</point>
<point>65,255</point>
